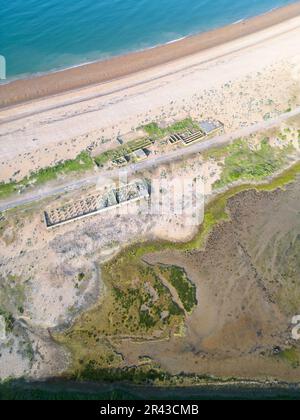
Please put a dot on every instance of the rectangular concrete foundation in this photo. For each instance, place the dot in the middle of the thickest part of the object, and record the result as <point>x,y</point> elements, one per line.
<point>97,203</point>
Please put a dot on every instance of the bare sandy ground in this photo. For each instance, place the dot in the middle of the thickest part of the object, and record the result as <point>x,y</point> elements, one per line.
<point>239,82</point>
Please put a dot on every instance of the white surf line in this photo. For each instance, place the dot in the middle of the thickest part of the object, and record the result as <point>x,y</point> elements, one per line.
<point>132,169</point>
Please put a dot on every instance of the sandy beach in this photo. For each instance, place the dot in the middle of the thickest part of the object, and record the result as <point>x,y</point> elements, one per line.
<point>104,71</point>
<point>240,75</point>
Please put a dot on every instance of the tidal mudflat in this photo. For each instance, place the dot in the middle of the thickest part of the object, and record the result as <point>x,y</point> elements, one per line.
<point>245,272</point>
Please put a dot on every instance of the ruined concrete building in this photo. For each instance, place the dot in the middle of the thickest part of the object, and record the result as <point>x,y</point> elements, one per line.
<point>97,203</point>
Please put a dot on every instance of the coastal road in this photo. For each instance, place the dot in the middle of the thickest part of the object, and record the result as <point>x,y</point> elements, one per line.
<point>178,154</point>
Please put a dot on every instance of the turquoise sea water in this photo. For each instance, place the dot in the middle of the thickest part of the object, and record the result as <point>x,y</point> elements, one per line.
<point>44,35</point>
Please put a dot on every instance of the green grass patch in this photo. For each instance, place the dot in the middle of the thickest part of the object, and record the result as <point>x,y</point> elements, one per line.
<point>155,131</point>
<point>139,298</point>
<point>291,356</point>
<point>6,189</point>
<point>8,319</point>
<point>282,179</point>
<point>122,151</point>
<point>243,163</point>
<point>83,162</point>
<point>134,375</point>
<point>136,305</point>
<point>185,288</point>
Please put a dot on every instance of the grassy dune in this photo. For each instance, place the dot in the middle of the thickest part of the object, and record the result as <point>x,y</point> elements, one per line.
<point>83,162</point>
